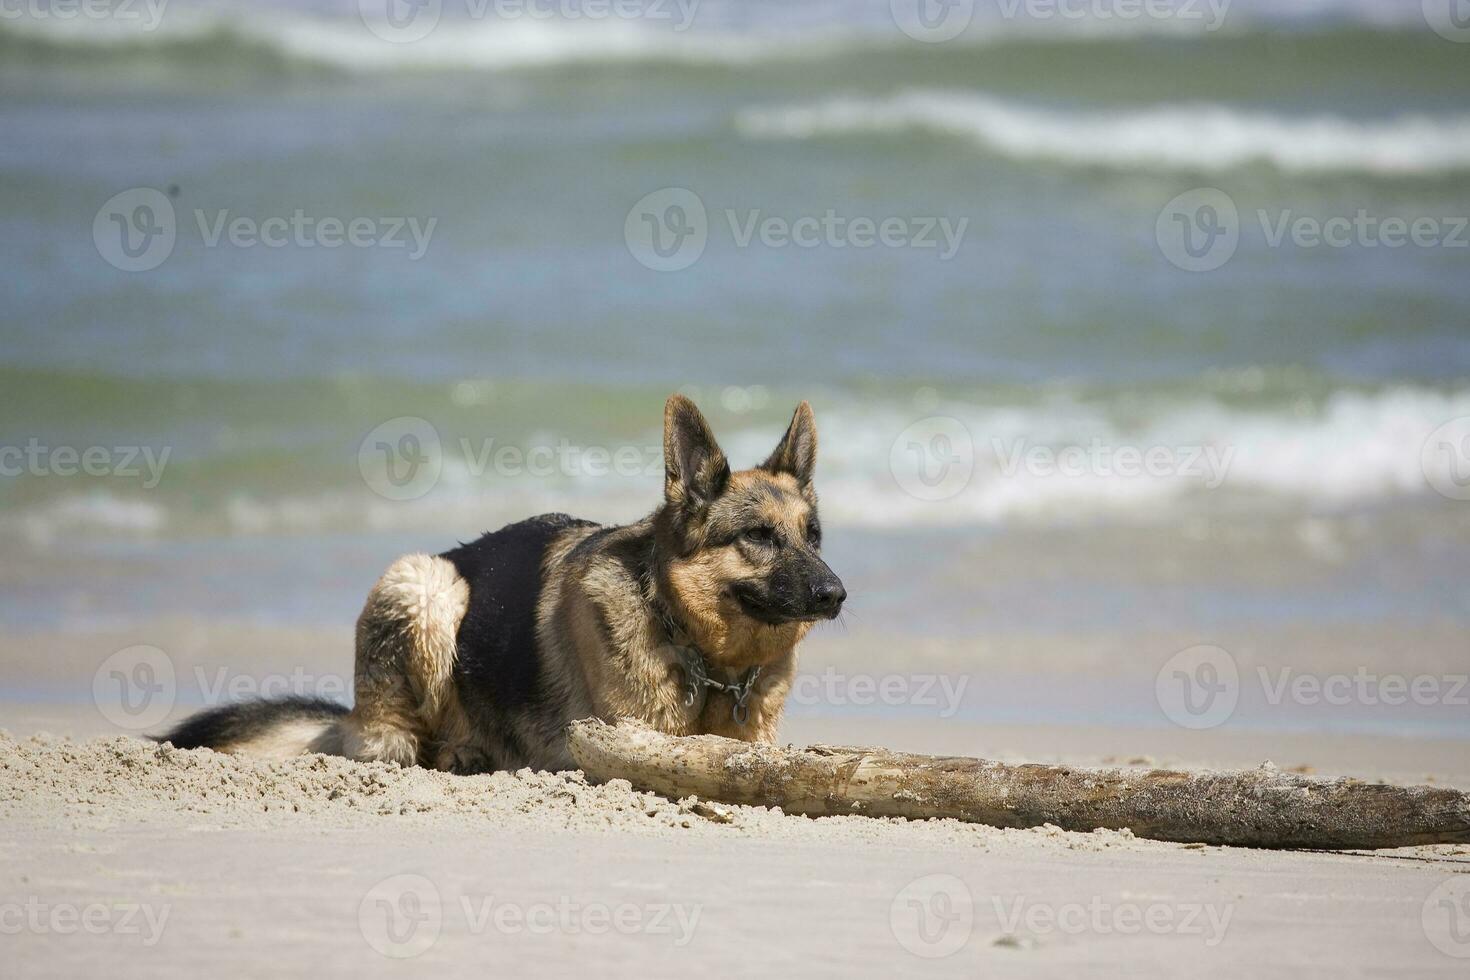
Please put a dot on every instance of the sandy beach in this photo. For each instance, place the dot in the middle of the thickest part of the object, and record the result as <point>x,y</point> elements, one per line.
<point>138,860</point>
<point>123,856</point>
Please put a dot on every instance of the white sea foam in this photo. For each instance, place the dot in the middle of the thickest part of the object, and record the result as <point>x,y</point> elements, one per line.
<point>479,35</point>
<point>1203,137</point>
<point>98,511</point>
<point>1352,449</point>
<point>1055,461</point>
<point>466,44</point>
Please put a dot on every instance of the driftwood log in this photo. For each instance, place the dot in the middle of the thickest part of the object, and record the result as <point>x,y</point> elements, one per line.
<point>1253,808</point>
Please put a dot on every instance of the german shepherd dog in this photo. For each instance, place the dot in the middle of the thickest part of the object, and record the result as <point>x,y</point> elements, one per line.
<point>475,660</point>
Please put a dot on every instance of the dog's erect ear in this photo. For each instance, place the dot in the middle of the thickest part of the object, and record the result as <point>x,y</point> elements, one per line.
<point>695,469</point>
<point>797,453</point>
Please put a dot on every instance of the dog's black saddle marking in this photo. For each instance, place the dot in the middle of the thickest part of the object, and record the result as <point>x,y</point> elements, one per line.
<point>499,661</point>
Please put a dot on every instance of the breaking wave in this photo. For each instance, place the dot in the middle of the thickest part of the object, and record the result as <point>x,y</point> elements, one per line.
<point>1204,138</point>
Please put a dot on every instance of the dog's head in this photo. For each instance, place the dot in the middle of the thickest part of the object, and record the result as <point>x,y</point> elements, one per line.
<point>743,549</point>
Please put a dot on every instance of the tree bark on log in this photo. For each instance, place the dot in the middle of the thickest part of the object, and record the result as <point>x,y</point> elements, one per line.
<point>1252,808</point>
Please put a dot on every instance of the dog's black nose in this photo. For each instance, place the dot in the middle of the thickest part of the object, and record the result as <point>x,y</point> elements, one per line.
<point>828,596</point>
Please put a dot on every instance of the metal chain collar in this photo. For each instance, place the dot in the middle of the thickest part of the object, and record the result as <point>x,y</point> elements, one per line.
<point>697,680</point>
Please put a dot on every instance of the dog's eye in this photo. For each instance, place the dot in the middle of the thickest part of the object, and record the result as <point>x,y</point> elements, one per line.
<point>761,535</point>
<point>814,535</point>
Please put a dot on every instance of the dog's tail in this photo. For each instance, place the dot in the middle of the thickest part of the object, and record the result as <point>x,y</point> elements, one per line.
<point>272,729</point>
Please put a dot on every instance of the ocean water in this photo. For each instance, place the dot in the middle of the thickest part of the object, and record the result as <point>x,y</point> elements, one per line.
<point>1231,241</point>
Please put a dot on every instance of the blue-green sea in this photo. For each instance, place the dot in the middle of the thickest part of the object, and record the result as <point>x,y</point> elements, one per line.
<point>361,284</point>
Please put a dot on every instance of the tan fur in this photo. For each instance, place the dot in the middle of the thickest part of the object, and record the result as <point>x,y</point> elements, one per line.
<point>728,638</point>
<point>639,677</point>
<point>288,739</point>
<point>406,647</point>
